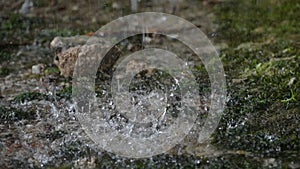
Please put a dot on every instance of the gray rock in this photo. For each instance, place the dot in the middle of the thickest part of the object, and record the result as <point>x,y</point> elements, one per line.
<point>37,69</point>
<point>26,7</point>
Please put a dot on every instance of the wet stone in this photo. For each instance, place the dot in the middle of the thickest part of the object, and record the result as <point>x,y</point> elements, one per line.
<point>66,51</point>
<point>37,69</point>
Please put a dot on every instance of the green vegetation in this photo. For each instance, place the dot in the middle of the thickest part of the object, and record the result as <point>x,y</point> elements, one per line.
<point>65,92</point>
<point>4,71</point>
<point>10,114</point>
<point>53,135</point>
<point>262,64</point>
<point>29,96</point>
<point>4,56</point>
<point>52,70</point>
<point>17,29</point>
<point>246,21</point>
<point>49,34</point>
<point>65,166</point>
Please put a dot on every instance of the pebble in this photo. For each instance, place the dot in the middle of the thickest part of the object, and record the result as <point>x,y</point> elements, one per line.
<point>85,163</point>
<point>270,162</point>
<point>134,5</point>
<point>36,69</point>
<point>116,5</point>
<point>292,80</point>
<point>75,8</point>
<point>26,7</point>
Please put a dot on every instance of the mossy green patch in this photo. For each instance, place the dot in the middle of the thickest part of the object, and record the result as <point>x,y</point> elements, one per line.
<point>4,56</point>
<point>18,30</point>
<point>64,166</point>
<point>262,66</point>
<point>261,115</point>
<point>53,135</point>
<point>65,92</point>
<point>49,34</point>
<point>11,114</point>
<point>4,71</point>
<point>52,70</point>
<point>29,96</point>
<point>244,21</point>
<point>75,149</point>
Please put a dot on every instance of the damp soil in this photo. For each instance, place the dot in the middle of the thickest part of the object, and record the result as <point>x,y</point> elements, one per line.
<point>257,41</point>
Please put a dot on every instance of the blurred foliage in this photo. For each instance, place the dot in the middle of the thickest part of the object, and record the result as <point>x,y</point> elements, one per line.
<point>244,21</point>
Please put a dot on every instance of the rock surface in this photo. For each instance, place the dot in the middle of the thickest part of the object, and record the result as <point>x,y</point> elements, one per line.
<point>66,52</point>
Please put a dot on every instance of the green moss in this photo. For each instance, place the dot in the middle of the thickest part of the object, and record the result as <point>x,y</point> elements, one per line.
<point>29,96</point>
<point>12,22</point>
<point>65,92</point>
<point>4,71</point>
<point>261,115</point>
<point>10,114</point>
<point>5,56</point>
<point>18,29</point>
<point>74,149</point>
<point>42,3</point>
<point>244,21</point>
<point>181,161</point>
<point>59,32</point>
<point>52,70</point>
<point>53,135</point>
<point>64,166</point>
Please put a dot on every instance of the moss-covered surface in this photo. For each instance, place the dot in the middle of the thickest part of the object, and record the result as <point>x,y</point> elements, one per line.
<point>260,126</point>
<point>52,71</point>
<point>17,29</point>
<point>249,21</point>
<point>29,96</point>
<point>263,109</point>
<point>66,92</point>
<point>10,114</point>
<point>263,69</point>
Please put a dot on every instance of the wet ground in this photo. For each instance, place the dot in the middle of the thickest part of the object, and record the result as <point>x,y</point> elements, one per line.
<point>258,43</point>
